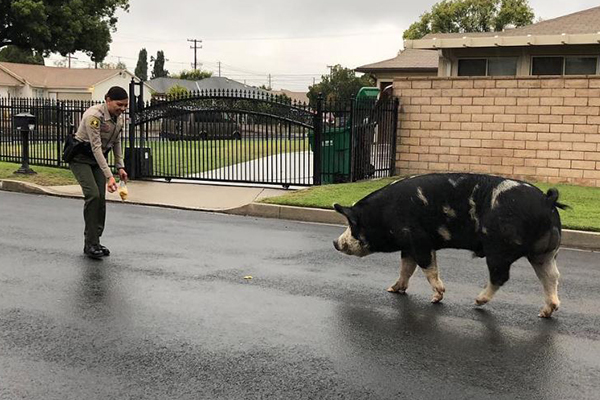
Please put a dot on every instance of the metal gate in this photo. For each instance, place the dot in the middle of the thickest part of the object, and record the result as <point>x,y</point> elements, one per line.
<point>256,137</point>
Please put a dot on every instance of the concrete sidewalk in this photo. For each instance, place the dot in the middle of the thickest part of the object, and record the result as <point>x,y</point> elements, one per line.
<point>232,199</point>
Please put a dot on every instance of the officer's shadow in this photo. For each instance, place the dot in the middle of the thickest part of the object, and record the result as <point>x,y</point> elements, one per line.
<point>95,289</point>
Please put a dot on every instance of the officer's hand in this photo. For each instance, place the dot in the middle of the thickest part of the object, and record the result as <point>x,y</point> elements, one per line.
<point>112,185</point>
<point>123,174</point>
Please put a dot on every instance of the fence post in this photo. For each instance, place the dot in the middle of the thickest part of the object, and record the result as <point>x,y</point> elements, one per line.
<point>59,132</point>
<point>132,156</point>
<point>352,143</point>
<point>396,109</point>
<point>140,106</point>
<point>317,142</point>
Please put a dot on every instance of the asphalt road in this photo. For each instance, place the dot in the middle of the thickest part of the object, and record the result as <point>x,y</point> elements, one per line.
<point>170,316</point>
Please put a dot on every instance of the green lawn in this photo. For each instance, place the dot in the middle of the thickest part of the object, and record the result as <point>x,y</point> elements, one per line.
<point>584,214</point>
<point>46,176</point>
<point>184,158</point>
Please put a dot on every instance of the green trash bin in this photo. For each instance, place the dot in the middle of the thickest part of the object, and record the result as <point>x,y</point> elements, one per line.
<point>335,154</point>
<point>364,132</point>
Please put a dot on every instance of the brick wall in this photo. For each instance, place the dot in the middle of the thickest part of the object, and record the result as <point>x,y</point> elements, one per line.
<point>537,129</point>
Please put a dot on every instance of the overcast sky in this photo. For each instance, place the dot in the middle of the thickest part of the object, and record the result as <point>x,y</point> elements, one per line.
<point>293,41</point>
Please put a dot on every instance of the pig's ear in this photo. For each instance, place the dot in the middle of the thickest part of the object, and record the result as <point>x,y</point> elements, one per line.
<point>346,212</point>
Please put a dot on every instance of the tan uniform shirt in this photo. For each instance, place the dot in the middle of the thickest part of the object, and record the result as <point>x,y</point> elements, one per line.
<point>103,133</point>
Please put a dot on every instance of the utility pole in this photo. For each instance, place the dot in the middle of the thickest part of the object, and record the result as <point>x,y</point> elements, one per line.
<point>195,47</point>
<point>330,69</point>
<point>270,82</point>
<point>69,56</point>
<point>219,69</point>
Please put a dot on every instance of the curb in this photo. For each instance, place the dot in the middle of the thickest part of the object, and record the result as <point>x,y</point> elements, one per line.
<point>302,214</point>
<point>570,238</point>
<point>22,187</point>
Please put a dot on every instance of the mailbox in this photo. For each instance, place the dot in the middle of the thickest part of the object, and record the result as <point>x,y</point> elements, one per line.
<point>25,122</point>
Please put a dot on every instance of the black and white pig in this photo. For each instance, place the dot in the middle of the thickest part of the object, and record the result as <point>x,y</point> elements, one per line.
<point>496,218</point>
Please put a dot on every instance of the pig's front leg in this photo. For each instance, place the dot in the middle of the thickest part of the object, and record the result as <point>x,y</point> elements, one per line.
<point>407,269</point>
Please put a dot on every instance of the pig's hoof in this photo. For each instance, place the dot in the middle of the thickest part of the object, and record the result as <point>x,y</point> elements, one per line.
<point>547,310</point>
<point>392,289</point>
<point>481,300</point>
<point>437,298</point>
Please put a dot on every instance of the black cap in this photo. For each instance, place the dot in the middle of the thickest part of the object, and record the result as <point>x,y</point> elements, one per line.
<point>116,93</point>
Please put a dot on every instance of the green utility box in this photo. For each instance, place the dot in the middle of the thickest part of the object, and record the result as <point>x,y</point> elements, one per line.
<point>335,154</point>
<point>367,93</point>
<point>338,145</point>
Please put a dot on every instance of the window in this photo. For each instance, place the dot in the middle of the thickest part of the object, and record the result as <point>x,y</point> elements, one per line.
<point>502,66</point>
<point>37,93</point>
<point>564,65</point>
<point>493,66</point>
<point>472,67</point>
<point>580,66</point>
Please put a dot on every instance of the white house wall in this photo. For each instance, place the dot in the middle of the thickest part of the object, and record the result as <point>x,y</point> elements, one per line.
<point>122,80</point>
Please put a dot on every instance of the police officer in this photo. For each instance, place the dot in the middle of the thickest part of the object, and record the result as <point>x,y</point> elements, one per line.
<point>98,133</point>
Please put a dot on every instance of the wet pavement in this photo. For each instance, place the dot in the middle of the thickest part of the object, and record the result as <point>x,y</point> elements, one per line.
<point>169,315</point>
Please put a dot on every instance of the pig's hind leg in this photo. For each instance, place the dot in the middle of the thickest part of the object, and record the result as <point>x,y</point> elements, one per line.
<point>430,268</point>
<point>499,270</point>
<point>407,269</point>
<point>547,272</point>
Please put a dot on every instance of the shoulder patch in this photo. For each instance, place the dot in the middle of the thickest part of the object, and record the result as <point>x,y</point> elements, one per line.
<point>94,122</point>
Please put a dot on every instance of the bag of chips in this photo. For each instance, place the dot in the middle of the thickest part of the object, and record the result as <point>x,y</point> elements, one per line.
<point>123,190</point>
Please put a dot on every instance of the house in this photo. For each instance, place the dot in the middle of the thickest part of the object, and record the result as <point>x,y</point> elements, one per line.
<point>523,103</point>
<point>298,97</point>
<point>408,62</point>
<point>566,45</point>
<point>39,81</point>
<point>161,86</point>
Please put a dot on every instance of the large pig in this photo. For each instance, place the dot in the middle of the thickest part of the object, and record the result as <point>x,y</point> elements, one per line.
<point>496,218</point>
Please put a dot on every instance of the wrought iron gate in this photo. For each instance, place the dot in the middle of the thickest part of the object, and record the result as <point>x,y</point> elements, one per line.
<point>256,137</point>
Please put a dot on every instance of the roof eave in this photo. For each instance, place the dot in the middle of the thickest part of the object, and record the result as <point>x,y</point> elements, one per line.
<point>393,69</point>
<point>504,41</point>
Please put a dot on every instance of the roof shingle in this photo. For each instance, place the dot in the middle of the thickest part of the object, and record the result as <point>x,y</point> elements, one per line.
<point>408,59</point>
<point>55,77</point>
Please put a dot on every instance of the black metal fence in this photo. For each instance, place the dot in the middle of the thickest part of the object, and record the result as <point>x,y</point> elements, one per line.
<point>232,136</point>
<point>255,137</point>
<point>53,120</point>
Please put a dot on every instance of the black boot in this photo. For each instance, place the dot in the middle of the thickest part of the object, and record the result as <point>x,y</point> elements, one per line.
<point>93,251</point>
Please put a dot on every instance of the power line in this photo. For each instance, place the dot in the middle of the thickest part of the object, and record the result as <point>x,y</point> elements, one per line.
<point>258,38</point>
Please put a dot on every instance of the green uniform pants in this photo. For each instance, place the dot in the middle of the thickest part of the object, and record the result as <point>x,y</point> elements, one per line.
<point>93,183</point>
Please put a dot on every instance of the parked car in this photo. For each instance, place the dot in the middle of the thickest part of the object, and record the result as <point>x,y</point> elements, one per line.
<point>201,125</point>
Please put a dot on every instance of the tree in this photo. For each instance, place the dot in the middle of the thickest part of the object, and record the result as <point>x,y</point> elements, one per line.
<point>177,91</point>
<point>158,67</point>
<point>23,56</point>
<point>118,65</point>
<point>459,16</point>
<point>194,75</point>
<point>65,26</point>
<point>141,69</point>
<point>341,84</point>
